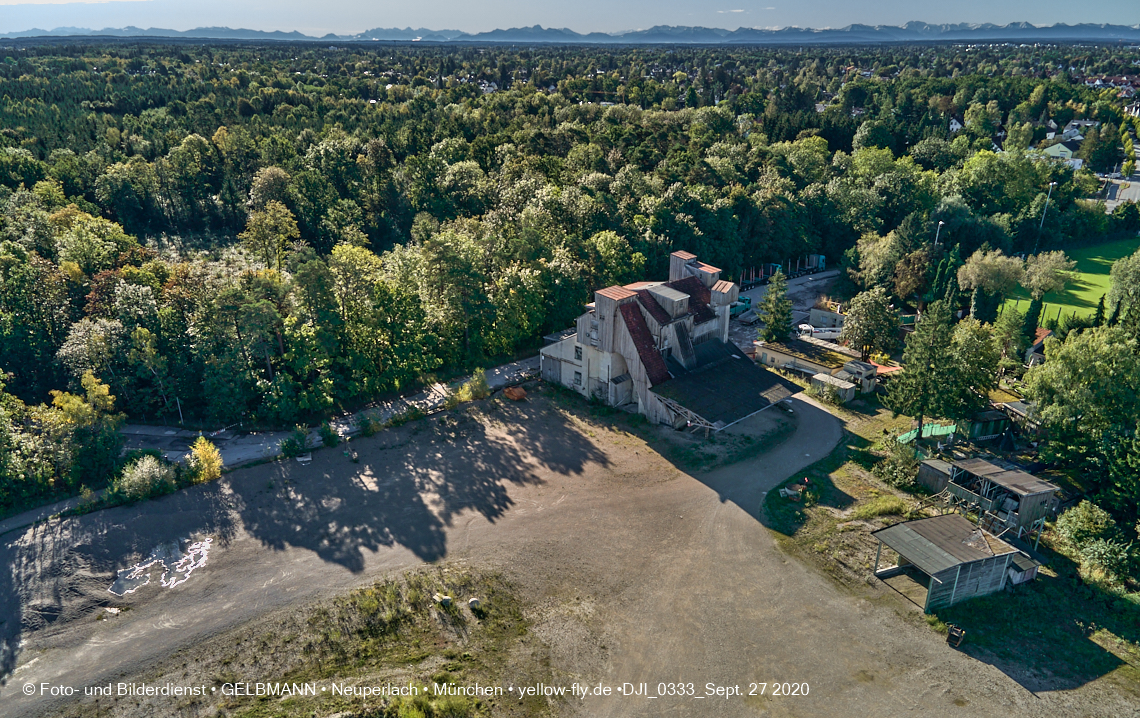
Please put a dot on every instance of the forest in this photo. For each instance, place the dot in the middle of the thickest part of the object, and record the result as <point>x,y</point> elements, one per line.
<point>271,233</point>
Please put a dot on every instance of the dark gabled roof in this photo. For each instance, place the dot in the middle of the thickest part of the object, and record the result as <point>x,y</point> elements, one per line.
<point>692,286</point>
<point>643,341</point>
<point>941,542</point>
<point>653,307</point>
<point>699,298</point>
<point>725,385</point>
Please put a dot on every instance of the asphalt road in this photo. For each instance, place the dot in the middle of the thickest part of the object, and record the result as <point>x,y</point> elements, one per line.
<point>677,578</point>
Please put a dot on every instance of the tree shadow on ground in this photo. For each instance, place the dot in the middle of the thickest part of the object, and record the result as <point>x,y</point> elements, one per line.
<point>1046,635</point>
<point>410,483</point>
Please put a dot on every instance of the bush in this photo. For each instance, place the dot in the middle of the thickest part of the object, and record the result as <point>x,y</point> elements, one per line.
<point>329,437</point>
<point>825,394</point>
<point>296,443</point>
<point>1084,523</point>
<point>1108,555</point>
<point>367,425</point>
<point>205,460</point>
<point>411,414</point>
<point>144,478</point>
<point>475,388</point>
<point>899,467</point>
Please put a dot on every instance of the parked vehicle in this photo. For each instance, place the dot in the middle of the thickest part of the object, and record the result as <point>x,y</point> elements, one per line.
<point>807,330</point>
<point>740,307</point>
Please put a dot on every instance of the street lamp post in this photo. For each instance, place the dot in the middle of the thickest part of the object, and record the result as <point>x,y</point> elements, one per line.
<point>938,232</point>
<point>1045,211</point>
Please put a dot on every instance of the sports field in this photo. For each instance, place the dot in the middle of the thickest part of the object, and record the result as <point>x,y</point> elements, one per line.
<point>1081,295</point>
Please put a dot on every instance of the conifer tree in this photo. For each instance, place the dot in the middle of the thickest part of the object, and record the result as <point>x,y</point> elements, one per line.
<point>775,310</point>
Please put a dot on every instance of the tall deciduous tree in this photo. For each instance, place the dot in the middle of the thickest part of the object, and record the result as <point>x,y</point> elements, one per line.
<point>1047,272</point>
<point>1088,396</point>
<point>871,324</point>
<point>269,233</point>
<point>775,310</point>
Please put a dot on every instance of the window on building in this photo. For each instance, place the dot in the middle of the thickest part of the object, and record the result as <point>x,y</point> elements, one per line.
<point>577,378</point>
<point>578,353</point>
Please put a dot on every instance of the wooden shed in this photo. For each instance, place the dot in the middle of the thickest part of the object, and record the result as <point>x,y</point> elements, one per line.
<point>943,560</point>
<point>934,474</point>
<point>1010,498</point>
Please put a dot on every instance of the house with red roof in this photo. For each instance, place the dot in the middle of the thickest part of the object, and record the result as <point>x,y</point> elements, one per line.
<point>661,348</point>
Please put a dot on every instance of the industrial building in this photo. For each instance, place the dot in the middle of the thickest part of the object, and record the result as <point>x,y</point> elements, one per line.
<point>661,349</point>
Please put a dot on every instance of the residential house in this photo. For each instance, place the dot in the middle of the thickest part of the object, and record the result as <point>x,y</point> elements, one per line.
<point>956,125</point>
<point>1077,128</point>
<point>1035,354</point>
<point>1062,150</point>
<point>661,349</point>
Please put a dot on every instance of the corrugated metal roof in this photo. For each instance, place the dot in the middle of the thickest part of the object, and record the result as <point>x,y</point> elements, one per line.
<point>979,467</point>
<point>682,254</point>
<point>1019,482</point>
<point>938,464</point>
<point>941,542</point>
<point>723,286</point>
<point>708,267</point>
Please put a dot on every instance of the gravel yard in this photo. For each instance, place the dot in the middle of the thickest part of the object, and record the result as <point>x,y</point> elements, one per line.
<point>630,569</point>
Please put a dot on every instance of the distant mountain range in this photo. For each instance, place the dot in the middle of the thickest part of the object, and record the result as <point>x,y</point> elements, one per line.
<point>659,35</point>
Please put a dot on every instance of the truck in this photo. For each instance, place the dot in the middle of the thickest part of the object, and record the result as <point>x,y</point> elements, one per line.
<point>807,330</point>
<point>740,307</point>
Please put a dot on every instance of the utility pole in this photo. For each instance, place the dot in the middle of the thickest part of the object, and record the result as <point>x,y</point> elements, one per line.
<point>938,232</point>
<point>1043,213</point>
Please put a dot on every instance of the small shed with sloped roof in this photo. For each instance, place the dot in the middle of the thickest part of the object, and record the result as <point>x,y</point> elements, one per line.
<point>948,556</point>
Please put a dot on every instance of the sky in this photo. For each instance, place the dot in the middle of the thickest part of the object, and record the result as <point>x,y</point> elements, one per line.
<point>351,16</point>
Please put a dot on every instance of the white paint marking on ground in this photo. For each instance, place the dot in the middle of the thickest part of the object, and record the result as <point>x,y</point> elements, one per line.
<point>176,566</point>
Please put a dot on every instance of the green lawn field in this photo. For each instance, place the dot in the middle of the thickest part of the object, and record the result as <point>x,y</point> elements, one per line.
<point>1081,295</point>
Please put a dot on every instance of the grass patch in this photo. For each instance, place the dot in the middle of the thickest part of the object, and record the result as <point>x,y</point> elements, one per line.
<point>1081,295</point>
<point>389,633</point>
<point>1056,625</point>
<point>888,505</point>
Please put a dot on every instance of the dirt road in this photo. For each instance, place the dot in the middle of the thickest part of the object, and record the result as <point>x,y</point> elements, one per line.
<point>672,577</point>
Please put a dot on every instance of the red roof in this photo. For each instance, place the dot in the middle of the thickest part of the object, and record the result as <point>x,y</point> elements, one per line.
<point>1041,335</point>
<point>708,267</point>
<point>684,255</point>
<point>699,298</point>
<point>616,293</point>
<point>643,340</point>
<point>653,306</point>
<point>692,286</point>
